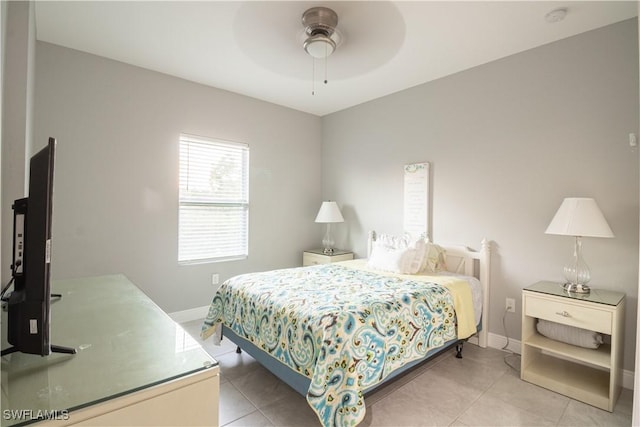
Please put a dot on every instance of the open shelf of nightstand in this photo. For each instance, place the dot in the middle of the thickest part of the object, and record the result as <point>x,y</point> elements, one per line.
<point>598,357</point>
<point>589,385</point>
<point>591,375</point>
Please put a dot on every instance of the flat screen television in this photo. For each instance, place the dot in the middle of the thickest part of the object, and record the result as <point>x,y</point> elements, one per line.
<point>28,319</point>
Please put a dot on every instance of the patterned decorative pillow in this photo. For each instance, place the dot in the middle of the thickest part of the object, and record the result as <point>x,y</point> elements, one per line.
<point>397,254</point>
<point>419,257</point>
<point>434,260</point>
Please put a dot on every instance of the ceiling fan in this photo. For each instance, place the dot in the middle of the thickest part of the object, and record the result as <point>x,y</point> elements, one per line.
<point>320,27</point>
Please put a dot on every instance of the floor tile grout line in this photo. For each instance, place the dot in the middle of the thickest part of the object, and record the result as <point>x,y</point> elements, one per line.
<point>464,411</point>
<point>525,409</point>
<point>254,404</point>
<point>486,390</point>
<point>267,417</point>
<point>246,415</point>
<point>564,411</point>
<point>231,381</point>
<point>248,400</point>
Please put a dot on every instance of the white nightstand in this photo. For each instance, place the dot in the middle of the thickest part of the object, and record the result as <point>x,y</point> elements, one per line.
<point>316,256</point>
<point>593,376</point>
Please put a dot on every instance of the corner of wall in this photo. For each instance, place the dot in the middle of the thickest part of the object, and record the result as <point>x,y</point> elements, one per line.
<point>18,81</point>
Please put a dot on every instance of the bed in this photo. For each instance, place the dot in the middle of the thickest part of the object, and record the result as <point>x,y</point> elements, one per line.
<point>335,332</point>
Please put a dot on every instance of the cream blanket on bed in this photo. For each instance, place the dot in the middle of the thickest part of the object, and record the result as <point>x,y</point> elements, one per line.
<point>458,287</point>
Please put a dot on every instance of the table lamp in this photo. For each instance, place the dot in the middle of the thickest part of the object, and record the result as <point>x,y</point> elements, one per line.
<point>578,217</point>
<point>328,213</point>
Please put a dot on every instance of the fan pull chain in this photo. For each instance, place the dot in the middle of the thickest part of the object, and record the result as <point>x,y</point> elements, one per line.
<point>313,76</point>
<point>313,73</point>
<point>325,68</point>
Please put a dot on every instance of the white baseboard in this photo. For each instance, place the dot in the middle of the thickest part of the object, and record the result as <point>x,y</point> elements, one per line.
<point>498,341</point>
<point>189,315</point>
<point>628,379</point>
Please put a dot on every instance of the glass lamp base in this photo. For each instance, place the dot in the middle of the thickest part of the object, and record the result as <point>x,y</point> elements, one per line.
<point>327,242</point>
<point>577,272</point>
<point>576,288</point>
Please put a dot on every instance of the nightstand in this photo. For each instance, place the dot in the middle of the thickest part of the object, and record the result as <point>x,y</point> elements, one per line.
<point>593,376</point>
<point>316,256</point>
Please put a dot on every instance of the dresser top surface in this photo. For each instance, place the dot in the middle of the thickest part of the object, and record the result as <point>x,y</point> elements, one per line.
<point>124,343</point>
<point>598,296</point>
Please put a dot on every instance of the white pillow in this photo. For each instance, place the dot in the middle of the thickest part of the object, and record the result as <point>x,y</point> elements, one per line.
<point>397,254</point>
<point>569,334</point>
<point>392,241</point>
<point>389,259</point>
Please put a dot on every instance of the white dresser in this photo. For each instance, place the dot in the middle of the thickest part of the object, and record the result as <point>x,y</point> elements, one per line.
<point>134,365</point>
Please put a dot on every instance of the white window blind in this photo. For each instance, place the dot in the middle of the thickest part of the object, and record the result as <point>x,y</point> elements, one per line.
<point>214,200</point>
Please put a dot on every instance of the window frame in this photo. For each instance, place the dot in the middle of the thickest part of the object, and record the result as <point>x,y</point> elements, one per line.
<point>242,201</point>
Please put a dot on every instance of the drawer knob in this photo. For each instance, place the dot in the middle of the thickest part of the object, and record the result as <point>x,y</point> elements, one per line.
<point>563,314</point>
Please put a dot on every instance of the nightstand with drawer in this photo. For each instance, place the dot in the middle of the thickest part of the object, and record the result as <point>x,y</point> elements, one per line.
<point>593,376</point>
<point>317,256</point>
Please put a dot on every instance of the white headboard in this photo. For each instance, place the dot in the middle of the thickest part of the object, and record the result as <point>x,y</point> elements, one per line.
<point>463,260</point>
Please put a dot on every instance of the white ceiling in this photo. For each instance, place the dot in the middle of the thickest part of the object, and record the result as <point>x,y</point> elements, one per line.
<point>255,48</point>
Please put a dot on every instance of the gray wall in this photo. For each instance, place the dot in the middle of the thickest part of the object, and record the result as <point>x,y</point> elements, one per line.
<point>116,181</point>
<point>18,75</point>
<point>502,139</point>
<point>507,141</point>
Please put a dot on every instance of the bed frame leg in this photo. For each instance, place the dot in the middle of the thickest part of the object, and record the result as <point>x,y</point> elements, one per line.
<point>459,349</point>
<point>238,349</point>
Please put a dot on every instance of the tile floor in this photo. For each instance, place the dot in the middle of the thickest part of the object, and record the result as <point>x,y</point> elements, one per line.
<point>478,390</point>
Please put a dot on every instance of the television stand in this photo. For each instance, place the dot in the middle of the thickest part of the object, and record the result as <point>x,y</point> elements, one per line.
<point>8,351</point>
<point>60,349</point>
<point>54,349</point>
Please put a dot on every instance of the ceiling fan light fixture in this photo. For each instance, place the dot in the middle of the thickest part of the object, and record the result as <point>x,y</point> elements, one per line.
<point>319,26</point>
<point>319,46</point>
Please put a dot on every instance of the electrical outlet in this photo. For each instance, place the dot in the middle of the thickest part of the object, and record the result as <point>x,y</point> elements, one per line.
<point>215,278</point>
<point>510,305</point>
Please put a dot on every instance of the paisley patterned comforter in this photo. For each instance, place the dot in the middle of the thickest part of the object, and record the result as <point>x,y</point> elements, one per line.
<point>345,329</point>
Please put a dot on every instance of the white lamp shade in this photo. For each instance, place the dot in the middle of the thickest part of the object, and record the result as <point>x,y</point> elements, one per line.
<point>329,212</point>
<point>579,217</point>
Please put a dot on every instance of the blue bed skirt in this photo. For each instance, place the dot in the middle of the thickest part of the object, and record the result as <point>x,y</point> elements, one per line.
<point>299,382</point>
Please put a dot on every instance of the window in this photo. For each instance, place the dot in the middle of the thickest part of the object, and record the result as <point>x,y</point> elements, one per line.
<point>213,223</point>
